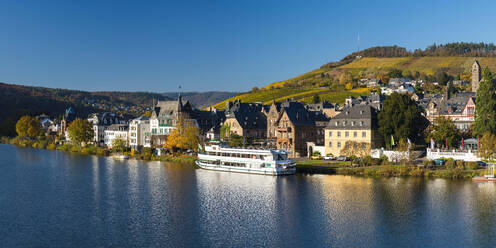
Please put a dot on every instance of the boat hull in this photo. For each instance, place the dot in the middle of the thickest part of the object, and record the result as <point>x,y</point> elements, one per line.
<point>261,171</point>
<point>120,157</point>
<point>484,179</point>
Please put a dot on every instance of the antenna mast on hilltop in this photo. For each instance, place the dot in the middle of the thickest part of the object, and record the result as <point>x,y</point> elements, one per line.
<point>358,47</point>
<point>358,42</point>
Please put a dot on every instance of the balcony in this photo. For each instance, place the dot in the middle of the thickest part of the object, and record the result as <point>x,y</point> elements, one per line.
<point>283,129</point>
<point>285,140</point>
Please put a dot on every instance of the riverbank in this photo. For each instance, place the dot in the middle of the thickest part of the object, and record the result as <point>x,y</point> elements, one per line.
<point>394,170</point>
<point>376,169</point>
<point>145,154</point>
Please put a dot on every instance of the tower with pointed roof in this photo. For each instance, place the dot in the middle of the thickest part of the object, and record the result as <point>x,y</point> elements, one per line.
<point>179,103</point>
<point>476,76</point>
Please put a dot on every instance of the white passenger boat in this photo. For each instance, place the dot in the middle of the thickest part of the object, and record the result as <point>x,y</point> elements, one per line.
<point>120,156</point>
<point>254,161</point>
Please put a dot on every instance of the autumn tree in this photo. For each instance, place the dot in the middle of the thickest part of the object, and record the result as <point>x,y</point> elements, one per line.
<point>487,147</point>
<point>28,126</point>
<point>485,106</point>
<point>184,136</point>
<point>345,78</point>
<point>442,129</point>
<point>353,148</point>
<point>148,114</point>
<point>118,145</point>
<point>80,131</point>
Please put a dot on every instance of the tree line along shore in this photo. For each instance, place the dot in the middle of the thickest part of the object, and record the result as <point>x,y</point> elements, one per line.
<point>48,144</point>
<point>366,167</point>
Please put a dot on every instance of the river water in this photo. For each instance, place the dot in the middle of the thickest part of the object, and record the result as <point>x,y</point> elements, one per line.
<point>56,199</point>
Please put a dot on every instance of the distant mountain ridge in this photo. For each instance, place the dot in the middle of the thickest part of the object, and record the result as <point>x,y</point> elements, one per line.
<point>17,100</point>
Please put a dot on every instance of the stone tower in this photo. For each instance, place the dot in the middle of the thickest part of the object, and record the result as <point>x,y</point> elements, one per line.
<point>476,76</point>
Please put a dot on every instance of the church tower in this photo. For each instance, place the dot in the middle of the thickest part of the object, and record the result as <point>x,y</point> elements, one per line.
<point>476,76</point>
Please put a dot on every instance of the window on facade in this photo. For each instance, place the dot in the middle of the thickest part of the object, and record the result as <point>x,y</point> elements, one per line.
<point>364,146</point>
<point>346,134</point>
<point>330,134</point>
<point>364,134</point>
<point>339,144</point>
<point>339,134</point>
<point>355,134</point>
<point>470,110</point>
<point>330,144</point>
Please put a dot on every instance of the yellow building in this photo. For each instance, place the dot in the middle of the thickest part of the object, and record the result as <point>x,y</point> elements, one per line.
<point>353,132</point>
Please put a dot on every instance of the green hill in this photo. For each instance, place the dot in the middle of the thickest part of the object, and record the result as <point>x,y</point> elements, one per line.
<point>18,100</point>
<point>453,59</point>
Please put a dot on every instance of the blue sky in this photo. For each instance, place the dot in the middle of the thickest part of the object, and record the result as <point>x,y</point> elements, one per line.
<point>212,45</point>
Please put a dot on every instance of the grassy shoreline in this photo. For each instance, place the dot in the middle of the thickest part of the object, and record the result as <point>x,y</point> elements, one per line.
<point>376,171</point>
<point>94,150</point>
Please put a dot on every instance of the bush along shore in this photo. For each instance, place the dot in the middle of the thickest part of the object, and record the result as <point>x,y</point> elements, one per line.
<point>146,153</point>
<point>382,168</point>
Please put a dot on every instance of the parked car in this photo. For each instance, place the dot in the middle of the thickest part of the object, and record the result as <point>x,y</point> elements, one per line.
<point>316,157</point>
<point>329,157</point>
<point>439,161</point>
<point>481,164</point>
<point>342,158</point>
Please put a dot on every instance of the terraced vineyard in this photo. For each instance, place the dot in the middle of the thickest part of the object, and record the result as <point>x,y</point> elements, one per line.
<point>305,86</point>
<point>300,94</point>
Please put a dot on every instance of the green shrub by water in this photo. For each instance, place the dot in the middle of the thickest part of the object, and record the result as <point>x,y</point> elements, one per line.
<point>402,171</point>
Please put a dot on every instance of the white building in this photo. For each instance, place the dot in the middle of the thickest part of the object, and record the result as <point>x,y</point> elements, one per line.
<point>101,121</point>
<point>115,131</point>
<point>139,133</point>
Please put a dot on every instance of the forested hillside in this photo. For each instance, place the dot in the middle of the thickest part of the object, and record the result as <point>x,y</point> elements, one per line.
<point>18,100</point>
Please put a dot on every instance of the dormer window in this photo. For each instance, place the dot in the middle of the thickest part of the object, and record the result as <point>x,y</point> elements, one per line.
<point>344,123</point>
<point>361,112</point>
<point>352,123</point>
<point>361,123</point>
<point>336,123</point>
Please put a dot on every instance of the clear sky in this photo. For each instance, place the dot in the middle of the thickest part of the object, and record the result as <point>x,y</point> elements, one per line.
<point>213,45</point>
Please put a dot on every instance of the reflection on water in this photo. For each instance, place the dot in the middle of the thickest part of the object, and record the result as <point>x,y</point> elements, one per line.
<point>55,199</point>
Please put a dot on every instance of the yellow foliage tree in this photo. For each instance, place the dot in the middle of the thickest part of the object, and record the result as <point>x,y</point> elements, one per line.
<point>345,78</point>
<point>28,126</point>
<point>349,86</point>
<point>352,148</point>
<point>487,147</point>
<point>466,76</point>
<point>184,136</point>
